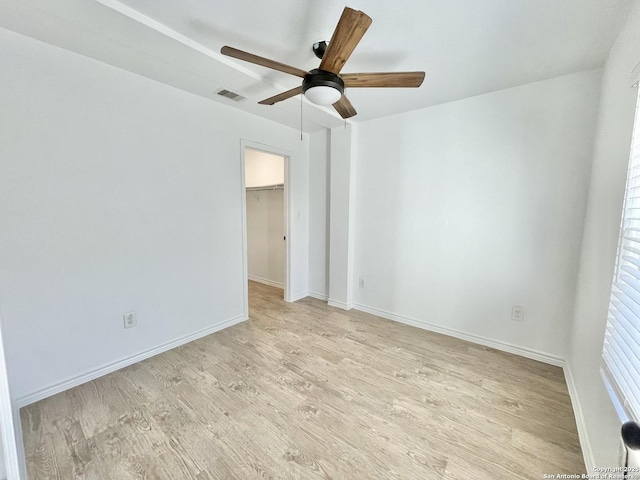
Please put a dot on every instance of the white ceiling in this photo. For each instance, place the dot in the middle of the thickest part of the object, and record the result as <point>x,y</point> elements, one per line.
<point>467,48</point>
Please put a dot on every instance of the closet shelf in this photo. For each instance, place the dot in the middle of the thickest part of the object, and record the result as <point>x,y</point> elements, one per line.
<point>280,186</point>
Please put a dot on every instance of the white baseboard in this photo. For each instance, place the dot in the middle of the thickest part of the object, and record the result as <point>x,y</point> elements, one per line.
<point>319,296</point>
<point>298,296</point>
<point>301,295</point>
<point>487,342</point>
<point>339,304</point>
<point>125,362</point>
<point>266,281</point>
<point>585,444</point>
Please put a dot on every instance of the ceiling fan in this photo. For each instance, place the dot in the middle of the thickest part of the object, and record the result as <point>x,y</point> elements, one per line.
<point>325,85</point>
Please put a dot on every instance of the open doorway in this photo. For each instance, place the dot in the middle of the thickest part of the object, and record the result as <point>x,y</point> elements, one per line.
<point>265,175</point>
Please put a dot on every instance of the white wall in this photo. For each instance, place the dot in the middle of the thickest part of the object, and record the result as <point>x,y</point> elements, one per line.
<point>265,236</point>
<point>119,194</point>
<point>262,168</point>
<point>602,224</point>
<point>319,214</point>
<point>465,209</point>
<point>341,218</point>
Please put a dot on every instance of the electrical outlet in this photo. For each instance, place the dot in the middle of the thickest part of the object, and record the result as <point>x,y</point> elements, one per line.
<point>130,319</point>
<point>361,282</point>
<point>517,313</point>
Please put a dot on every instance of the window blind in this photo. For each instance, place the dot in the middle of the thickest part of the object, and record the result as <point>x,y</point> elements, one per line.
<point>621,351</point>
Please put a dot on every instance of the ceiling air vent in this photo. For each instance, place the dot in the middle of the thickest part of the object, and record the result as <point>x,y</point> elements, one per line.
<point>230,95</point>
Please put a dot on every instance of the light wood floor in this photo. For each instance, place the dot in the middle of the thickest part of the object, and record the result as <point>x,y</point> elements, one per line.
<point>306,391</point>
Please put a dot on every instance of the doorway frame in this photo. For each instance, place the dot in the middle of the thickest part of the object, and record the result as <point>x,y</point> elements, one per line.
<point>288,208</point>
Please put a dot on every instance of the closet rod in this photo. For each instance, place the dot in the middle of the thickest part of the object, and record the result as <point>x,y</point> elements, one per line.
<point>266,187</point>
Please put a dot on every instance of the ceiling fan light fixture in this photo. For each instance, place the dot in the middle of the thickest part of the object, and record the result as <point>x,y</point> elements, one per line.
<point>323,95</point>
<point>322,88</point>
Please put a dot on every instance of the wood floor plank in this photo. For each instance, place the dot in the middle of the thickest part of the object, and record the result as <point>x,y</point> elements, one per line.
<point>304,391</point>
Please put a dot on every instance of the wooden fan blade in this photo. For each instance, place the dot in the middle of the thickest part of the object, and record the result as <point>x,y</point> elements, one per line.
<point>281,96</point>
<point>383,79</point>
<point>344,107</point>
<point>265,62</point>
<point>350,29</point>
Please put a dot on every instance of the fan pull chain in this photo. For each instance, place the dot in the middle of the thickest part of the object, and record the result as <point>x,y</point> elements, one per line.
<point>300,117</point>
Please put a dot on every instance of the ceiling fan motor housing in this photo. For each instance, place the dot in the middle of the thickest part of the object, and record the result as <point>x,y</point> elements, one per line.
<point>322,78</point>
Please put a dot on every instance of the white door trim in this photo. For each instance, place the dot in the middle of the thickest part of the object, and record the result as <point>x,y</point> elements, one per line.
<point>10,427</point>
